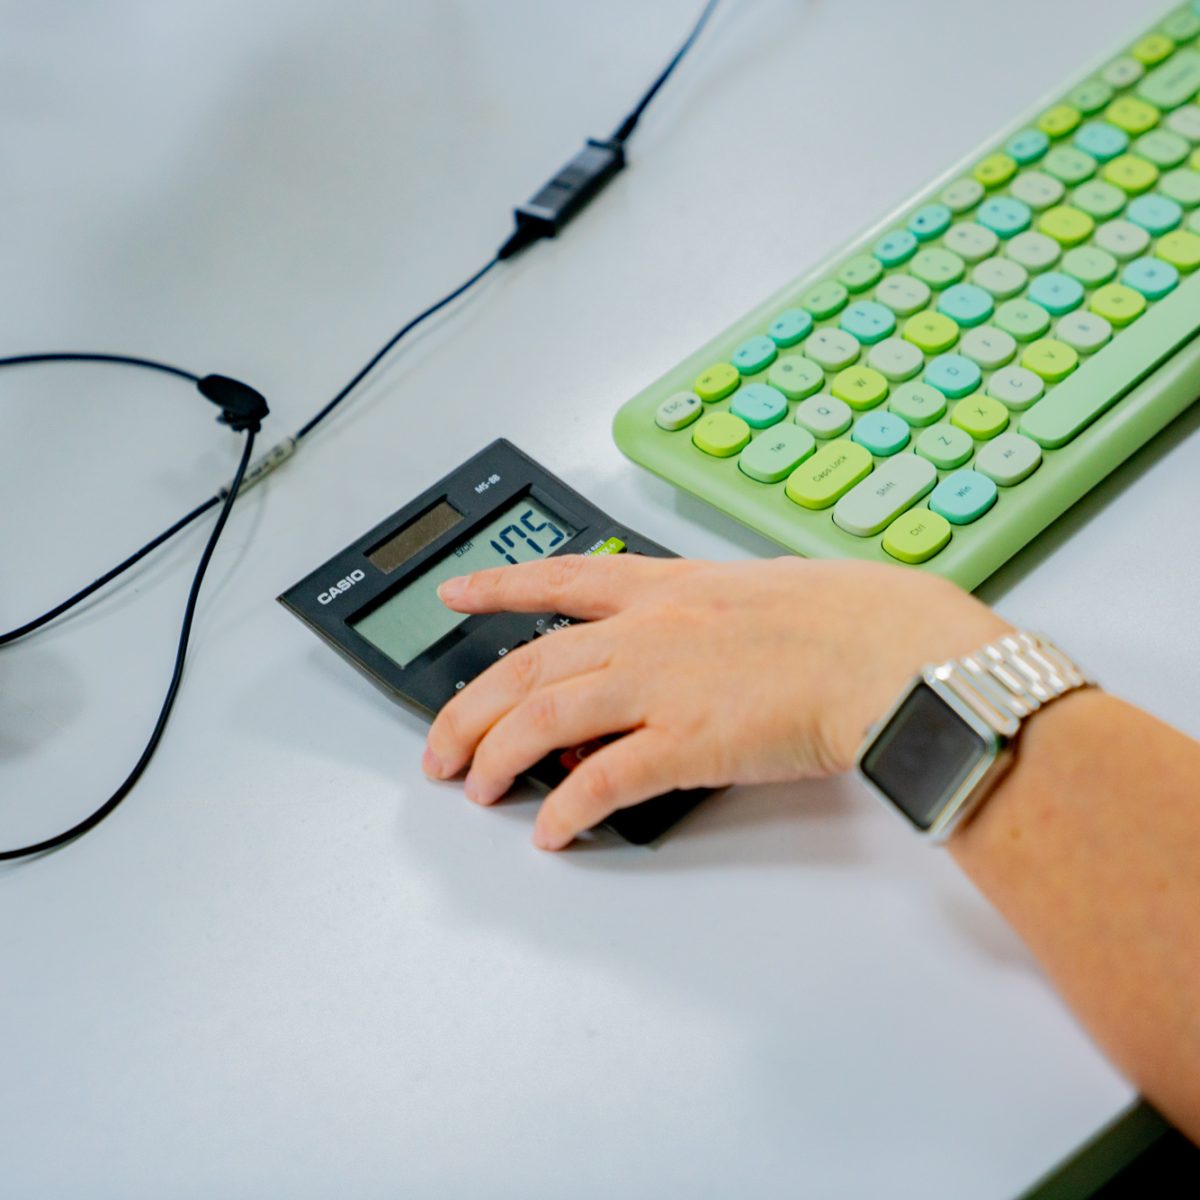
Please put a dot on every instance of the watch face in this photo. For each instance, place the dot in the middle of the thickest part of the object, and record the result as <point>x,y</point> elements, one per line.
<point>924,755</point>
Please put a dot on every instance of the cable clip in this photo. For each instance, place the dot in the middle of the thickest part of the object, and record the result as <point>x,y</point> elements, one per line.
<point>242,408</point>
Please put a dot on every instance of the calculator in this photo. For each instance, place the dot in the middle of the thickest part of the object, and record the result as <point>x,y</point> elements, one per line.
<point>943,387</point>
<point>376,602</point>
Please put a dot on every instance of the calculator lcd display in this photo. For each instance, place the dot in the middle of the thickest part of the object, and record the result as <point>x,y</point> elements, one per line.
<point>410,622</point>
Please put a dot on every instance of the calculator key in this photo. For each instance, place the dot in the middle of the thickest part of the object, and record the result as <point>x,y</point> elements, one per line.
<point>1163,148</point>
<point>759,405</point>
<point>1090,97</point>
<point>1131,174</point>
<point>1182,186</point>
<point>824,478</point>
<point>980,416</point>
<point>1181,249</point>
<point>930,221</point>
<point>1181,26</point>
<point>1037,190</point>
<point>860,387</point>
<point>896,247</point>
<point>1152,49</point>
<point>1153,277</point>
<point>790,327</point>
<point>1101,140</point>
<point>962,195</point>
<point>970,241</point>
<point>1091,266</point>
<point>1059,120</point>
<point>717,382</point>
<point>918,403</point>
<point>868,321</point>
<point>895,359</point>
<point>894,486</point>
<point>1008,459</point>
<point>1004,216</point>
<point>861,272</point>
<point>774,455</point>
<point>903,294</point>
<point>1034,251</point>
<point>754,355</point>
<point>1083,331</point>
<point>796,377</point>
<point>963,497</point>
<point>720,434</point>
<point>1123,71</point>
<point>883,433</point>
<point>1186,122</point>
<point>1155,214</point>
<point>946,446</point>
<point>953,375</point>
<point>931,331</point>
<point>916,536</point>
<point>1174,82</point>
<point>1051,359</point>
<point>1122,239</point>
<point>824,416</point>
<point>1027,146</point>
<point>966,304</point>
<point>1117,304</point>
<point>1000,277</point>
<point>1056,293</point>
<point>937,267</point>
<point>678,411</point>
<point>831,348</point>
<point>1015,388</point>
<point>1098,199</point>
<point>995,170</point>
<point>988,346</point>
<point>1132,115</point>
<point>606,549</point>
<point>825,299</point>
<point>1024,320</point>
<point>1068,165</point>
<point>1066,225</point>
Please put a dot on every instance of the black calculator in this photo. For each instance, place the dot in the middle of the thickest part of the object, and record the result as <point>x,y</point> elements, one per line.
<point>376,602</point>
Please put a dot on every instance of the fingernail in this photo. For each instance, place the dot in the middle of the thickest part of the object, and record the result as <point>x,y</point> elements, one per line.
<point>451,589</point>
<point>544,839</point>
<point>432,765</point>
<point>471,791</point>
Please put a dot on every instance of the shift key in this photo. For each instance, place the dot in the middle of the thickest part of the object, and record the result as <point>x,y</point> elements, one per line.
<point>879,499</point>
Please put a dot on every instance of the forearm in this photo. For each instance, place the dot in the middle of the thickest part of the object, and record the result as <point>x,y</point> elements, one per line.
<point>1090,848</point>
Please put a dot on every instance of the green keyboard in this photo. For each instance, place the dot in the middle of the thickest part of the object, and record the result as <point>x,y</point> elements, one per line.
<point>955,378</point>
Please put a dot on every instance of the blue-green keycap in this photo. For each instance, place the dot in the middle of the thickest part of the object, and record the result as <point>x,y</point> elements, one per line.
<point>953,375</point>
<point>929,222</point>
<point>868,321</point>
<point>790,327</point>
<point>754,355</point>
<point>963,497</point>
<point>1150,276</point>
<point>1004,216</point>
<point>759,405</point>
<point>1056,293</point>
<point>966,304</point>
<point>1101,140</point>
<point>1155,214</point>
<point>882,433</point>
<point>896,247</point>
<point>1027,146</point>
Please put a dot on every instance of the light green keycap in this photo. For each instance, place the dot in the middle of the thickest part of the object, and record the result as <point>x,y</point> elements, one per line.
<point>962,195</point>
<point>1016,388</point>
<point>903,294</point>
<point>988,346</point>
<point>825,299</point>
<point>824,416</point>
<point>720,434</point>
<point>775,454</point>
<point>795,377</point>
<point>1051,359</point>
<point>946,446</point>
<point>1163,148</point>
<point>678,410</point>
<point>1186,122</point>
<point>980,416</point>
<point>895,359</point>
<point>1023,319</point>
<point>1034,251</point>
<point>931,332</point>
<point>970,241</point>
<point>1037,189</point>
<point>829,474</point>
<point>918,403</point>
<point>1181,249</point>
<point>1089,265</point>
<point>1194,221</point>
<point>1090,97</point>
<point>1008,459</point>
<point>937,267</point>
<point>860,273</point>
<point>1183,186</point>
<point>1122,239</point>
<point>832,349</point>
<point>1069,165</point>
<point>1182,25</point>
<point>1099,199</point>
<point>894,486</point>
<point>1177,80</point>
<point>1117,304</point>
<point>1085,331</point>
<point>1000,276</point>
<point>719,381</point>
<point>916,536</point>
<point>1063,414</point>
<point>1123,71</point>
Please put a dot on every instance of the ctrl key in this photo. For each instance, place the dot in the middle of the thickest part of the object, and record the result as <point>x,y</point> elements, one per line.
<point>916,536</point>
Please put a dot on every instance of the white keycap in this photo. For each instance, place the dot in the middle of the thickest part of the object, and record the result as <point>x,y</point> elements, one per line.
<point>988,346</point>
<point>895,359</point>
<point>1015,388</point>
<point>1000,276</point>
<point>962,194</point>
<point>1008,459</point>
<point>1122,239</point>
<point>678,410</point>
<point>1037,189</point>
<point>1085,331</point>
<point>903,294</point>
<point>1034,251</point>
<point>970,241</point>
<point>824,416</point>
<point>896,484</point>
<point>1185,121</point>
<point>832,349</point>
<point>1121,72</point>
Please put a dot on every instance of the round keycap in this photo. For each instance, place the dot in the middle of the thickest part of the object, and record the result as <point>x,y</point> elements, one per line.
<point>930,221</point>
<point>1000,277</point>
<point>953,375</point>
<point>1008,459</point>
<point>946,446</point>
<point>895,359</point>
<point>1153,48</point>
<point>1122,239</point>
<point>774,455</point>
<point>1059,120</point>
<point>918,403</point>
<point>795,377</point>
<point>988,346</point>
<point>860,387</point>
<point>1083,331</point>
<point>1194,221</point>
<point>937,267</point>
<point>720,434</point>
<point>1162,147</point>
<point>1102,140</point>
<point>1056,293</point>
<point>1037,189</point>
<point>1186,122</point>
<point>1090,97</point>
<point>759,405</point>
<point>1034,251</point>
<point>1028,146</point>
<point>824,416</point>
<point>1153,277</point>
<point>1015,388</point>
<point>1089,265</point>
<point>883,433</point>
<point>832,349</point>
<point>717,382</point>
<point>962,195</point>
<point>678,411</point>
<point>1123,71</point>
<point>790,327</point>
<point>903,294</point>
<point>1117,304</point>
<point>896,247</point>
<point>868,321</point>
<point>1098,199</point>
<point>1066,225</point>
<point>860,273</point>
<point>995,170</point>
<point>966,304</point>
<point>1155,214</point>
<point>825,299</point>
<point>1131,174</point>
<point>1182,186</point>
<point>970,241</point>
<point>1051,359</point>
<point>1004,216</point>
<point>1131,114</point>
<point>980,416</point>
<point>754,355</point>
<point>916,536</point>
<point>1068,165</point>
<point>963,497</point>
<point>931,331</point>
<point>1181,249</point>
<point>1182,25</point>
<point>1025,321</point>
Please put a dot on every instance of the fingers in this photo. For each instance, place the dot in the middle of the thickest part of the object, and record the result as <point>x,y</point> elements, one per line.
<point>625,772</point>
<point>575,584</point>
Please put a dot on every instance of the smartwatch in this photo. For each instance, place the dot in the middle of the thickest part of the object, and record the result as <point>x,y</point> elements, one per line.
<point>950,737</point>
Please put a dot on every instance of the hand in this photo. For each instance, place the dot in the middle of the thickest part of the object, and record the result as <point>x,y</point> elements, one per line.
<point>718,673</point>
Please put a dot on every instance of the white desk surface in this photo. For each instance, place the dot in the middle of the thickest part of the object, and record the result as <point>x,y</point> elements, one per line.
<point>291,966</point>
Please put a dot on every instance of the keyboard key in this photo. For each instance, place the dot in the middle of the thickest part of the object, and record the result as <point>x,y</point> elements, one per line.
<point>963,497</point>
<point>1174,82</point>
<point>825,299</point>
<point>759,405</point>
<point>1027,146</point>
<point>1056,293</point>
<point>825,477</point>
<point>946,446</point>
<point>1090,97</point>
<point>931,331</point>
<point>720,434</point>
<point>717,382</point>
<point>1152,49</point>
<point>754,355</point>
<point>790,327</point>
<point>903,294</point>
<point>1181,26</point>
<point>937,267</point>
<point>1155,214</point>
<point>1025,321</point>
<point>1132,115</point>
<point>868,321</point>
<point>962,195</point>
<point>861,272</point>
<point>1004,216</point>
<point>796,377</point>
<point>678,411</point>
<point>1051,359</point>
<point>966,304</point>
<point>895,359</point>
<point>1131,174</point>
<point>824,416</point>
<point>1037,190</point>
<point>832,349</point>
<point>916,536</point>
<point>1181,249</point>
<point>1059,120</point>
<point>1182,186</point>
<point>896,247</point>
<point>1102,140</point>
<point>1122,239</point>
<point>953,375</point>
<point>1123,71</point>
<point>1066,225</point>
<point>1008,459</point>
<point>1091,266</point>
<point>988,346</point>
<point>995,170</point>
<point>1015,388</point>
<point>1117,304</point>
<point>918,403</point>
<point>1194,221</point>
<point>860,387</point>
<point>1153,277</point>
<point>1000,277</point>
<point>773,456</point>
<point>1068,165</point>
<point>972,242</point>
<point>930,222</point>
<point>980,416</point>
<point>883,433</point>
<point>1083,331</point>
<point>1186,122</point>
<point>1034,251</point>
<point>1163,148</point>
<point>875,503</point>
<point>1098,199</point>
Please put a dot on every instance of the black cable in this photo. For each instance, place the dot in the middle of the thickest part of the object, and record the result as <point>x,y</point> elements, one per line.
<point>151,364</point>
<point>94,819</point>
